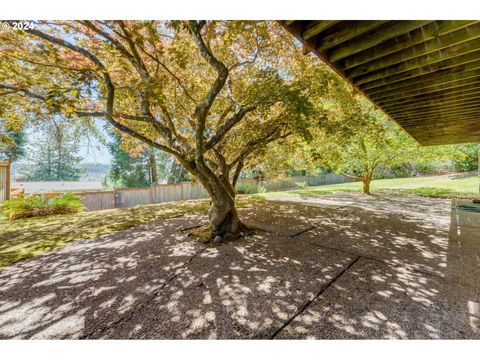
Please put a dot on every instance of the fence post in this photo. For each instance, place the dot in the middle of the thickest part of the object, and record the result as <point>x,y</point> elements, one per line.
<point>115,198</point>
<point>150,196</point>
<point>181,191</point>
<point>7,182</point>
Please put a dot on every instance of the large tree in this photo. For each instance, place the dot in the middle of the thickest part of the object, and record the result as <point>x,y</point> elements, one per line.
<point>211,94</point>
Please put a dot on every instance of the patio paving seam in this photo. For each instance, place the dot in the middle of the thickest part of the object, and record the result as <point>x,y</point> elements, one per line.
<point>377,260</point>
<point>318,294</point>
<point>141,305</point>
<point>302,231</point>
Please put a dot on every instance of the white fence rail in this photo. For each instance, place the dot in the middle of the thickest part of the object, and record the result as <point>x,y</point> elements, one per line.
<point>125,198</point>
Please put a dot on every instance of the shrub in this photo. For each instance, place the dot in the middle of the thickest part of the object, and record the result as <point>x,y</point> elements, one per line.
<point>262,189</point>
<point>245,189</point>
<point>432,191</point>
<point>301,185</point>
<point>40,205</point>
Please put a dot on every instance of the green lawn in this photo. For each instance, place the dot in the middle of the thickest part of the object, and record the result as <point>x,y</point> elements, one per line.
<point>426,186</point>
<point>21,239</point>
<point>24,238</point>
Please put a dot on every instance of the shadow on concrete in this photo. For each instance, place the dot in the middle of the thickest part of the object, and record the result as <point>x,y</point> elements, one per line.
<point>379,268</point>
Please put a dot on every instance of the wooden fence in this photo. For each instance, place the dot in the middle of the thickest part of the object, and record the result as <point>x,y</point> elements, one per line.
<point>4,181</point>
<point>125,198</point>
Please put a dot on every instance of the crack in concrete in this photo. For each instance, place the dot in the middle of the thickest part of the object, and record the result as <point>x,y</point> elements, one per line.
<point>377,260</point>
<point>302,231</point>
<point>141,304</point>
<point>320,292</point>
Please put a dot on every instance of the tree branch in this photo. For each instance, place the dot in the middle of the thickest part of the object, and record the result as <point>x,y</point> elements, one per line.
<point>227,126</point>
<point>202,109</point>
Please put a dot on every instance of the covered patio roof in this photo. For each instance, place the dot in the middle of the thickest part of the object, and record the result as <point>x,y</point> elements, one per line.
<point>423,74</point>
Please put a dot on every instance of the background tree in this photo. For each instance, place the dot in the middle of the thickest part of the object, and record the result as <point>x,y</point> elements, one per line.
<point>469,162</point>
<point>12,145</point>
<point>211,94</point>
<point>54,153</point>
<point>367,143</point>
<point>128,170</point>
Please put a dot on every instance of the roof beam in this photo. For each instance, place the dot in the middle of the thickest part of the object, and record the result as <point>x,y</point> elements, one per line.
<point>317,27</point>
<point>437,95</point>
<point>449,130</point>
<point>438,77</point>
<point>445,115</point>
<point>376,37</point>
<point>440,110</point>
<point>348,32</point>
<point>456,55</point>
<point>428,32</point>
<point>447,81</point>
<point>452,122</point>
<point>427,47</point>
<point>434,103</point>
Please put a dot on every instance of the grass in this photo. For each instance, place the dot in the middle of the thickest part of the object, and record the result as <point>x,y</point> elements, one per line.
<point>435,186</point>
<point>24,238</point>
<point>21,239</point>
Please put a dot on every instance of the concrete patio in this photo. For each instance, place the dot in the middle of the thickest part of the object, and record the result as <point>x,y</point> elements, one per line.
<point>343,266</point>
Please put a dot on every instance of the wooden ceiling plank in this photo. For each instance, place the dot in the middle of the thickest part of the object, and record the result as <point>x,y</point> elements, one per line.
<point>444,123</point>
<point>449,132</point>
<point>419,76</point>
<point>350,31</point>
<point>445,58</point>
<point>471,87</point>
<point>424,86</point>
<point>434,103</point>
<point>455,108</point>
<point>468,111</point>
<point>428,32</point>
<point>375,38</point>
<point>316,27</point>
<point>436,44</point>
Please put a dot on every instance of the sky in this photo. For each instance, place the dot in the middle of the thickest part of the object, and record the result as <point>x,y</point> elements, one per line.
<point>93,151</point>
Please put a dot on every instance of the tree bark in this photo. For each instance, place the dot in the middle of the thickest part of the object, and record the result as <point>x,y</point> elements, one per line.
<point>172,177</point>
<point>226,224</point>
<point>223,215</point>
<point>366,184</point>
<point>152,164</point>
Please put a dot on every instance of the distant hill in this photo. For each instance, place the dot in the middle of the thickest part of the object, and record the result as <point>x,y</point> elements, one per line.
<point>93,171</point>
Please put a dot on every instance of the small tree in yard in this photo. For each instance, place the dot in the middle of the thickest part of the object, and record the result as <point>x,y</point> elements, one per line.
<point>212,94</point>
<point>367,142</point>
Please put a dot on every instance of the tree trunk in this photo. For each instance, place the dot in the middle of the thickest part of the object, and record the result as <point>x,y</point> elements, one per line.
<point>152,164</point>
<point>366,185</point>
<point>224,220</point>
<point>172,176</point>
<point>226,224</point>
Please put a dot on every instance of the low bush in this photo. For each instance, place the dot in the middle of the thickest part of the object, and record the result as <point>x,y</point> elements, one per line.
<point>301,185</point>
<point>262,189</point>
<point>40,205</point>
<point>432,191</point>
<point>245,189</point>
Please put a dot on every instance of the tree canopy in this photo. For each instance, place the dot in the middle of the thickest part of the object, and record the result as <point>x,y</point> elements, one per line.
<point>212,94</point>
